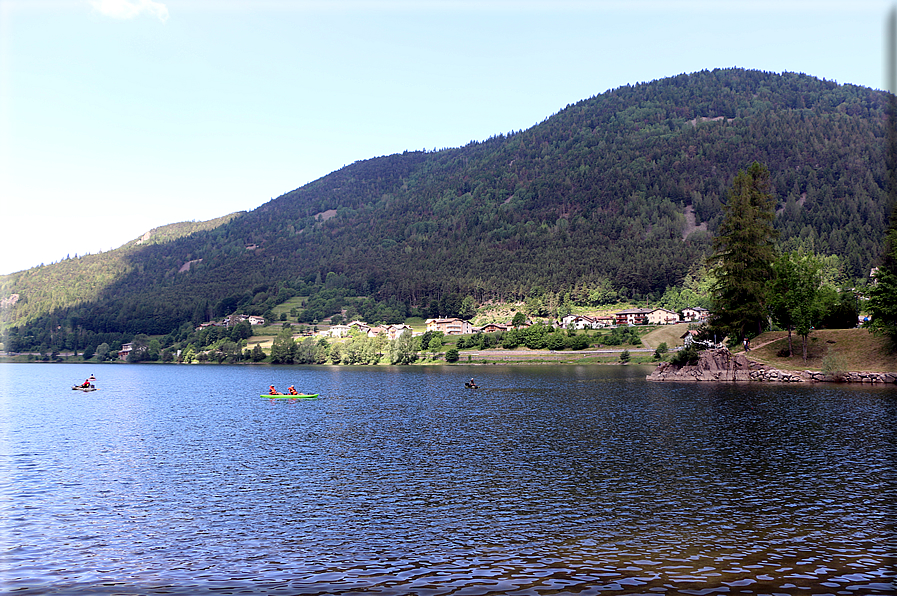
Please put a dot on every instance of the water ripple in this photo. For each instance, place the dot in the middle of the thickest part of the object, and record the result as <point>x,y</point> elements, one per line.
<point>555,480</point>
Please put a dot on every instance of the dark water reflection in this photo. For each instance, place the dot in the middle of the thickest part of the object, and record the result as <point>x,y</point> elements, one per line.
<point>549,480</point>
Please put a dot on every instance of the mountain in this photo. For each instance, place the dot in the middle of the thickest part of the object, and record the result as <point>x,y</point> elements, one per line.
<point>619,193</point>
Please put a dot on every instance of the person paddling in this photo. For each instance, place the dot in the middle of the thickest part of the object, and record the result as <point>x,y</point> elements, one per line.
<point>293,391</point>
<point>273,391</point>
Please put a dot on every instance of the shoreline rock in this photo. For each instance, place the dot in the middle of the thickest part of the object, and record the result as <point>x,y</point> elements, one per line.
<point>721,365</point>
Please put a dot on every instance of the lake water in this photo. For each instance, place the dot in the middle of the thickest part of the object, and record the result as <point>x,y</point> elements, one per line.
<point>547,480</point>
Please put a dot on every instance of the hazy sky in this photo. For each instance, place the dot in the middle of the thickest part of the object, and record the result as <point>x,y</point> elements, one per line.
<point>117,116</point>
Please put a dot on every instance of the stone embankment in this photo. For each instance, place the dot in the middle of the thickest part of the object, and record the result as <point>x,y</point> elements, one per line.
<point>722,365</point>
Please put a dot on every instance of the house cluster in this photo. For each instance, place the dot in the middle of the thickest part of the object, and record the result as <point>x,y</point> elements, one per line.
<point>233,320</point>
<point>660,316</point>
<point>455,326</point>
<point>636,316</point>
<point>451,326</point>
<point>633,316</point>
<point>388,331</point>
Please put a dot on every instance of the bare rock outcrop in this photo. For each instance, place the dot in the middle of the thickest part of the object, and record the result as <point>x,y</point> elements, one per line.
<point>721,365</point>
<point>713,365</point>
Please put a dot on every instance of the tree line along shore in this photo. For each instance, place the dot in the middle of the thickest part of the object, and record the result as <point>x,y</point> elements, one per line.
<point>830,350</point>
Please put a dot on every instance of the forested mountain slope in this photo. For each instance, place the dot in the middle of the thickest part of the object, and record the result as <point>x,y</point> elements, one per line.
<point>613,192</point>
<point>85,279</point>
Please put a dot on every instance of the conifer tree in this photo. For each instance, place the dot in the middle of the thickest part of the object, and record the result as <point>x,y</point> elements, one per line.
<point>883,294</point>
<point>744,250</point>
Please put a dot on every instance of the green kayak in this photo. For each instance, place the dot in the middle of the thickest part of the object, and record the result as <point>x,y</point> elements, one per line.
<point>288,396</point>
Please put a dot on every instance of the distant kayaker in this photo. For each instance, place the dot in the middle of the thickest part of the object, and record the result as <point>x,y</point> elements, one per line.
<point>273,391</point>
<point>86,384</point>
<point>293,391</point>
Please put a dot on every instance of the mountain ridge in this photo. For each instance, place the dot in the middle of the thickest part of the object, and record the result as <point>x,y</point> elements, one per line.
<point>596,196</point>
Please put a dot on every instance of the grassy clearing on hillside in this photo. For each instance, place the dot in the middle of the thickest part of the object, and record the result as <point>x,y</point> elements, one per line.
<point>671,334</point>
<point>847,349</point>
<point>417,324</point>
<point>264,341</point>
<point>297,302</point>
<point>497,313</point>
<point>267,331</point>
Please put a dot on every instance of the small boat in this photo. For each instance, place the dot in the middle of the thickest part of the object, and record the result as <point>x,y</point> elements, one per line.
<point>469,386</point>
<point>288,396</point>
<point>81,388</point>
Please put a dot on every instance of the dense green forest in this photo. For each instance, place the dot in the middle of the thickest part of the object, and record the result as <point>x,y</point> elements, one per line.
<point>616,196</point>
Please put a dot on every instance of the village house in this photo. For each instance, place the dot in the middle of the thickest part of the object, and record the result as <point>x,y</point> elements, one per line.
<point>394,331</point>
<point>573,322</point>
<point>390,331</point>
<point>125,351</point>
<point>337,331</point>
<point>233,320</point>
<point>632,316</point>
<point>691,337</point>
<point>583,322</point>
<point>450,326</point>
<point>495,327</point>
<point>662,316</point>
<point>359,326</point>
<point>696,313</point>
<point>376,330</point>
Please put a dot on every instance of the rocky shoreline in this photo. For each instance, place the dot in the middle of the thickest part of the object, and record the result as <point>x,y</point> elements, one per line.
<point>721,365</point>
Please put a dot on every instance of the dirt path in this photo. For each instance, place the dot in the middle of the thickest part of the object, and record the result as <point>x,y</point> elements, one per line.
<point>766,343</point>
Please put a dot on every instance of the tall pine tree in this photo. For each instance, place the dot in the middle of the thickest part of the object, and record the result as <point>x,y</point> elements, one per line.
<point>744,250</point>
<point>882,303</point>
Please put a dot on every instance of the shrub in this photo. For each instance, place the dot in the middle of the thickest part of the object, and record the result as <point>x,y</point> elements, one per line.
<point>833,366</point>
<point>578,342</point>
<point>451,355</point>
<point>556,341</point>
<point>511,339</point>
<point>535,337</point>
<point>685,356</point>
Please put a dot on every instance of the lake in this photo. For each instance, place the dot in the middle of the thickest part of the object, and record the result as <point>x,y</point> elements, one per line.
<point>546,480</point>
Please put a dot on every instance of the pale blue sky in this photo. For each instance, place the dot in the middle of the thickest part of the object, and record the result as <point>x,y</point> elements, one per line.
<point>117,116</point>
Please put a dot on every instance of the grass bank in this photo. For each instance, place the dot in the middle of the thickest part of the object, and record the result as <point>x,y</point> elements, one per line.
<point>842,349</point>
